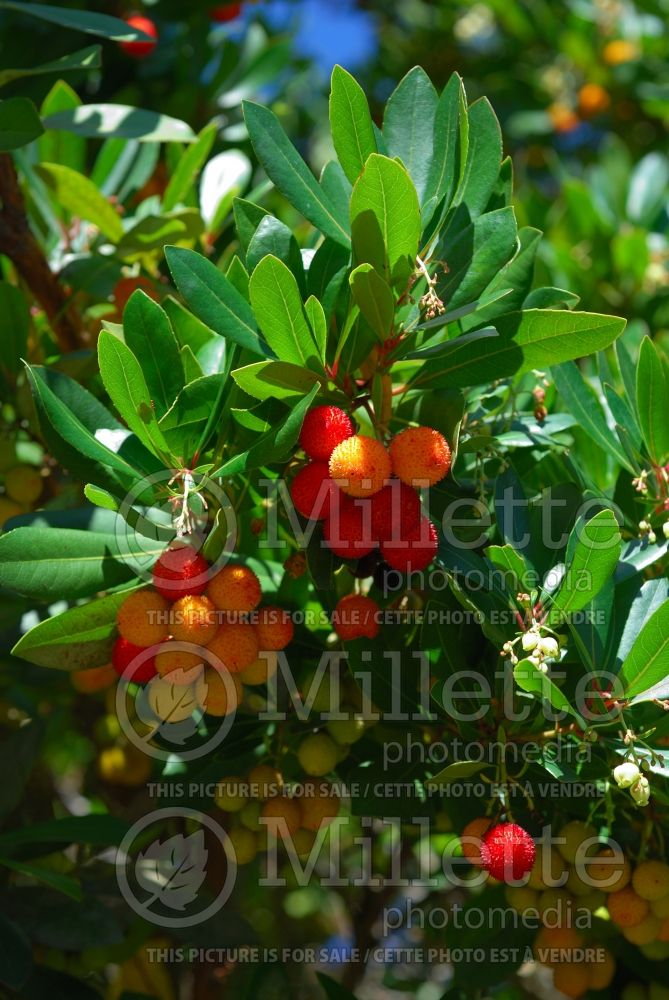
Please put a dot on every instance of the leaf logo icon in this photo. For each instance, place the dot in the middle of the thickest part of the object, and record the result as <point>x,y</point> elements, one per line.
<point>169,709</point>
<point>173,870</point>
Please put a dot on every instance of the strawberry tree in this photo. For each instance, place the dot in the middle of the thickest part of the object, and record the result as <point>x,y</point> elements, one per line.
<point>368,554</point>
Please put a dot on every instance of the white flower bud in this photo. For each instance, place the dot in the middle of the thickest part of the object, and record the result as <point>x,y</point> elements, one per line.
<point>626,774</point>
<point>548,646</point>
<point>665,529</point>
<point>640,791</point>
<point>530,641</point>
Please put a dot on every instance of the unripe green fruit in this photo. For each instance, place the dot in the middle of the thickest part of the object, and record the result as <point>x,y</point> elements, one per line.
<point>23,484</point>
<point>656,991</point>
<point>520,898</point>
<point>346,731</point>
<point>245,845</point>
<point>656,951</point>
<point>318,755</point>
<point>250,816</point>
<point>573,835</point>
<point>230,795</point>
<point>634,991</point>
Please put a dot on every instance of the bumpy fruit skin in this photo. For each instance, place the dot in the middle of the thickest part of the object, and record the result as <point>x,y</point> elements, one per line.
<point>571,978</point>
<point>360,466</point>
<point>471,840</point>
<point>281,808</point>
<point>414,551</point>
<point>235,588</point>
<point>225,12</point>
<point>179,572</point>
<point>508,852</point>
<point>23,484</point>
<point>194,620</point>
<point>93,679</point>
<point>265,781</point>
<point>218,693</point>
<point>347,532</point>
<point>143,618</point>
<point>123,655</point>
<point>318,805</point>
<point>179,666</point>
<point>323,429</point>
<point>313,492</point>
<point>236,646</point>
<point>421,456</point>
<point>626,909</point>
<point>356,617</point>
<point>318,755</point>
<point>274,628</point>
<point>8,509</point>
<point>395,511</point>
<point>140,50</point>
<point>651,880</point>
<point>244,843</point>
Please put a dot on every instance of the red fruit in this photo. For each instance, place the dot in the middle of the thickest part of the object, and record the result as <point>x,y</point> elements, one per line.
<point>323,429</point>
<point>140,50</point>
<point>225,12</point>
<point>181,572</point>
<point>312,491</point>
<point>347,531</point>
<point>412,550</point>
<point>508,852</point>
<point>395,511</point>
<point>356,617</point>
<point>124,653</point>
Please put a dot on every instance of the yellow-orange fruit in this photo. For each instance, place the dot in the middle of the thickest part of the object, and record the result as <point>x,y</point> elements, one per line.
<point>626,909</point>
<point>356,617</point>
<point>319,805</point>
<point>218,693</point>
<point>23,484</point>
<point>274,628</point>
<point>593,99</point>
<point>663,933</point>
<point>125,765</point>
<point>235,645</point>
<point>603,971</point>
<point>194,619</point>
<point>553,944</point>
<point>143,618</point>
<point>360,466</point>
<point>645,931</point>
<point>303,842</point>
<point>420,456</point>
<point>182,666</point>
<point>620,51</point>
<point>244,844</point>
<point>548,869</point>
<point>651,880</point>
<point>571,978</point>
<point>235,588</point>
<point>8,509</point>
<point>281,808</point>
<point>232,794</point>
<point>660,907</point>
<point>265,781</point>
<point>471,839</point>
<point>608,870</point>
<point>563,118</point>
<point>261,670</point>
<point>93,679</point>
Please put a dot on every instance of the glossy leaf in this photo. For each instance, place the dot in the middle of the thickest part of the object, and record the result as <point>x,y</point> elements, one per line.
<point>277,304</point>
<point>79,20</point>
<point>374,298</point>
<point>351,123</point>
<point>19,123</point>
<point>268,379</point>
<point>652,396</point>
<point>148,334</point>
<point>645,672</point>
<point>84,59</point>
<point>409,127</point>
<point>81,198</point>
<point>97,121</point>
<point>593,551</point>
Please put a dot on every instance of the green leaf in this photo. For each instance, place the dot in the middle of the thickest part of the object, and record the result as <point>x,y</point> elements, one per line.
<point>332,989</point>
<point>79,20</point>
<point>645,672</point>
<point>185,421</point>
<point>652,395</point>
<point>278,307</point>
<point>50,564</point>
<point>318,324</point>
<point>273,237</point>
<point>593,551</point>
<point>385,219</point>
<point>476,255</point>
<point>214,299</point>
<point>535,338</point>
<point>581,400</point>
<point>351,123</point>
<point>19,123</point>
<point>98,121</point>
<point>76,639</point>
<point>408,126</point>
<point>268,379</point>
<point>152,232</point>
<point>101,830</point>
<point>248,217</point>
<point>183,179</point>
<point>484,157</point>
<point>61,147</point>
<point>84,59</point>
<point>14,327</point>
<point>81,198</point>
<point>23,747</point>
<point>456,771</point>
<point>450,143</point>
<point>148,334</point>
<point>16,954</point>
<point>55,880</point>
<point>374,298</point>
<point>530,678</point>
<point>516,278</point>
<point>124,380</point>
<point>290,174</point>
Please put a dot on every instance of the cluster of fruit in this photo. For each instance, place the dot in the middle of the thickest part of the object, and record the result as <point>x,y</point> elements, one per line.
<point>262,808</point>
<point>367,494</point>
<point>196,627</point>
<point>141,49</point>
<point>23,483</point>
